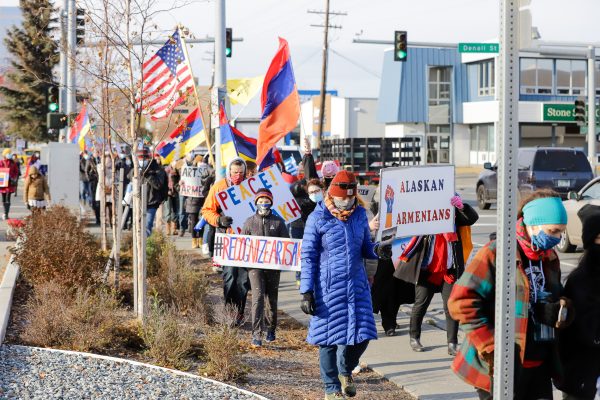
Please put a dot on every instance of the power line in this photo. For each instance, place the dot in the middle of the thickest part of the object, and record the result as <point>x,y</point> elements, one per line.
<point>356,64</point>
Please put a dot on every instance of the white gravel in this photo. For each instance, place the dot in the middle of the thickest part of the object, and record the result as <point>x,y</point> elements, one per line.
<point>32,373</point>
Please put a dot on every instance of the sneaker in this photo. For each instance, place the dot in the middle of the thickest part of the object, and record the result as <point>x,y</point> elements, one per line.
<point>239,320</point>
<point>452,349</point>
<point>348,386</point>
<point>334,396</point>
<point>390,332</point>
<point>205,249</point>
<point>270,337</point>
<point>256,343</point>
<point>416,345</point>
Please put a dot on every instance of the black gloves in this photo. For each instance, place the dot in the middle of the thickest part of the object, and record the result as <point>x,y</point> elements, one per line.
<point>28,207</point>
<point>225,221</point>
<point>548,313</point>
<point>384,251</point>
<point>308,303</point>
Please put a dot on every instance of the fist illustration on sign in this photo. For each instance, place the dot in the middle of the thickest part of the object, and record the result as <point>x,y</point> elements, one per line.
<point>389,201</point>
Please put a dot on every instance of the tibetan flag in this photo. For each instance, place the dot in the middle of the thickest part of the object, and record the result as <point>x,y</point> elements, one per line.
<point>235,144</point>
<point>279,101</point>
<point>188,135</point>
<point>80,128</point>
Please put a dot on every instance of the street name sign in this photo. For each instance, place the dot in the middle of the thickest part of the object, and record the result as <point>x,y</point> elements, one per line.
<point>478,47</point>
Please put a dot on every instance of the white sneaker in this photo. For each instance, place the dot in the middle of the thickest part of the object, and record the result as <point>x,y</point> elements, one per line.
<point>205,249</point>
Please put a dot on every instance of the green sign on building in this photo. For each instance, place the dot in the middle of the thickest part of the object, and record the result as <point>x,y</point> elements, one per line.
<point>562,113</point>
<point>478,47</point>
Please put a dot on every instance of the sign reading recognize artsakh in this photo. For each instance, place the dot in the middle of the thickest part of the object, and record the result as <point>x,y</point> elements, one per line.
<point>257,252</point>
<point>237,201</point>
<point>416,201</point>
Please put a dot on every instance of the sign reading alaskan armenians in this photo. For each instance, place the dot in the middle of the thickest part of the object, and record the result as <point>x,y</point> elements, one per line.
<point>416,201</point>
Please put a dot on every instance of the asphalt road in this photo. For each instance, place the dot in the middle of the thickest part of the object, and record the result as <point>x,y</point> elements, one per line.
<point>487,223</point>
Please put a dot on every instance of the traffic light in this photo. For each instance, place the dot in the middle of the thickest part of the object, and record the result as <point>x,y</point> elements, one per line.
<point>228,41</point>
<point>579,112</point>
<point>80,26</point>
<point>400,46</point>
<point>52,98</point>
<point>56,120</point>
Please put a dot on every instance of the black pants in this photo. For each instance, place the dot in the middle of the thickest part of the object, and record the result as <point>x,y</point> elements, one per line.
<point>265,286</point>
<point>6,203</point>
<point>530,383</point>
<point>423,296</point>
<point>388,293</point>
<point>235,286</point>
<point>193,219</point>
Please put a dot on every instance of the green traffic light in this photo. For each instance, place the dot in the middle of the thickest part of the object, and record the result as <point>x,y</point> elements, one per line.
<point>228,52</point>
<point>401,54</point>
<point>53,107</point>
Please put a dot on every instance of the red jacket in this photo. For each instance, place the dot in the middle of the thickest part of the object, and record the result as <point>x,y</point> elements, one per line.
<point>13,174</point>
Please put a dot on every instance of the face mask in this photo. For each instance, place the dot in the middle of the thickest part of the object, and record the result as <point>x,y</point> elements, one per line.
<point>143,163</point>
<point>543,241</point>
<point>237,179</point>
<point>263,209</point>
<point>343,204</point>
<point>86,157</point>
<point>316,197</point>
<point>128,162</point>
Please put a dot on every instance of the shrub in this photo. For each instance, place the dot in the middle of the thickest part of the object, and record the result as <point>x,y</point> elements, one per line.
<point>54,246</point>
<point>222,347</point>
<point>156,244</point>
<point>84,320</point>
<point>181,286</point>
<point>168,342</point>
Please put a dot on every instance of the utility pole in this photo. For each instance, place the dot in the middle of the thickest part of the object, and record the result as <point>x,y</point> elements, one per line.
<point>62,93</point>
<point>71,106</point>
<point>326,27</point>
<point>508,139</point>
<point>220,80</point>
<point>592,108</point>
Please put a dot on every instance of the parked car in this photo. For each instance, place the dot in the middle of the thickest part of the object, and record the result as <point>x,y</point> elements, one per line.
<point>590,194</point>
<point>559,168</point>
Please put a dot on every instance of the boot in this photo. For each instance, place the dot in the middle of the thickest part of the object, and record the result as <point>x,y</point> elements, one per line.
<point>194,243</point>
<point>175,233</point>
<point>199,242</point>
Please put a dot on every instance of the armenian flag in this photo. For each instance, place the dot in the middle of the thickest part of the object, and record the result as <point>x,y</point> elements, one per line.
<point>279,101</point>
<point>80,128</point>
<point>188,135</point>
<point>235,144</point>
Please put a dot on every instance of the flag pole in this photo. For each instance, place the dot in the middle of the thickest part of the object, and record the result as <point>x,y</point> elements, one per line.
<point>187,60</point>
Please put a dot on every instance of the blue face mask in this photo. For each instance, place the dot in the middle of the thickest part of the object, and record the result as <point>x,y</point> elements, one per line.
<point>263,209</point>
<point>543,241</point>
<point>316,197</point>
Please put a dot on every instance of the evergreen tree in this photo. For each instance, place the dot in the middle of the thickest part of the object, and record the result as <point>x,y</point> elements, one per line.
<point>33,55</point>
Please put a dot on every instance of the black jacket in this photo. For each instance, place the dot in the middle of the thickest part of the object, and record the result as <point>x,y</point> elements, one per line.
<point>269,225</point>
<point>305,203</point>
<point>410,271</point>
<point>82,174</point>
<point>156,178</point>
<point>579,344</point>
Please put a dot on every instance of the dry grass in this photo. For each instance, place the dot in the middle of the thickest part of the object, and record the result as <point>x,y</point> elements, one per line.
<point>222,347</point>
<point>168,341</point>
<point>84,320</point>
<point>54,246</point>
<point>156,244</point>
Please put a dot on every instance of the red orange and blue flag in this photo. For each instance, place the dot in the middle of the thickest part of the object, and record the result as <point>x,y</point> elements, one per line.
<point>279,101</point>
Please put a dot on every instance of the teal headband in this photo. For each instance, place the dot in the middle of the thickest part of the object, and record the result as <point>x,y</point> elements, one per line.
<point>545,211</point>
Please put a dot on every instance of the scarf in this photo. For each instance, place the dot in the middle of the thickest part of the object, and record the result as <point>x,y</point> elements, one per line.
<point>342,215</point>
<point>525,243</point>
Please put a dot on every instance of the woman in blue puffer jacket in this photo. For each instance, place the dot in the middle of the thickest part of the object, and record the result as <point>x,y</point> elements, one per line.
<point>334,283</point>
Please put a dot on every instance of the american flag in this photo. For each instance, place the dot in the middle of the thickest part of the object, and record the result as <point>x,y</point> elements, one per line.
<point>166,79</point>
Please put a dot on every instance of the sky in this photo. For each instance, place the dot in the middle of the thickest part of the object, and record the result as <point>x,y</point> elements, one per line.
<point>354,69</point>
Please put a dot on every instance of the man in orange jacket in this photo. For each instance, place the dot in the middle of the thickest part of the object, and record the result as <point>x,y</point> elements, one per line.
<point>235,279</point>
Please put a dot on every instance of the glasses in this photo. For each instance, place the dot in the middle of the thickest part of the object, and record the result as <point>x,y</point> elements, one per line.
<point>345,186</point>
<point>314,191</point>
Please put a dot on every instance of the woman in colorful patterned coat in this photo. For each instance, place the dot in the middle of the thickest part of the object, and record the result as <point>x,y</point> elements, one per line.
<point>541,221</point>
<point>334,283</point>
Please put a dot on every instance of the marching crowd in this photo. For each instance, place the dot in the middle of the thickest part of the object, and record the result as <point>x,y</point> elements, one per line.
<point>346,276</point>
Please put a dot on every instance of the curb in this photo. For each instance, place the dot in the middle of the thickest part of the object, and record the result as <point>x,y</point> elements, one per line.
<point>140,364</point>
<point>7,288</point>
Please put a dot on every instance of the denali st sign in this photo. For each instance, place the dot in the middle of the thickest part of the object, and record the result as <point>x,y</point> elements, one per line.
<point>561,112</point>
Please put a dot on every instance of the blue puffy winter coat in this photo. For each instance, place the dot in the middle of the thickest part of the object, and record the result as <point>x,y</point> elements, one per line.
<point>333,269</point>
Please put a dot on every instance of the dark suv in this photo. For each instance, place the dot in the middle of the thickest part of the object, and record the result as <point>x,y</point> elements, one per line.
<point>558,168</point>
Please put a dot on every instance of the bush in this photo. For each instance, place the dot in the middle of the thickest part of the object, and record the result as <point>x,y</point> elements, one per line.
<point>54,246</point>
<point>156,244</point>
<point>168,342</point>
<point>81,321</point>
<point>180,286</point>
<point>222,347</point>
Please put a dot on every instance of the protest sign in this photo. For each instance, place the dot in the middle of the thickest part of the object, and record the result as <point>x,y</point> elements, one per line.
<point>367,193</point>
<point>237,201</point>
<point>4,177</point>
<point>263,252</point>
<point>192,179</point>
<point>416,201</point>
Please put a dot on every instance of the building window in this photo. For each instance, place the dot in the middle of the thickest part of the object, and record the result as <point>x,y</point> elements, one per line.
<point>486,76</point>
<point>570,77</point>
<point>597,78</point>
<point>439,86</point>
<point>536,76</point>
